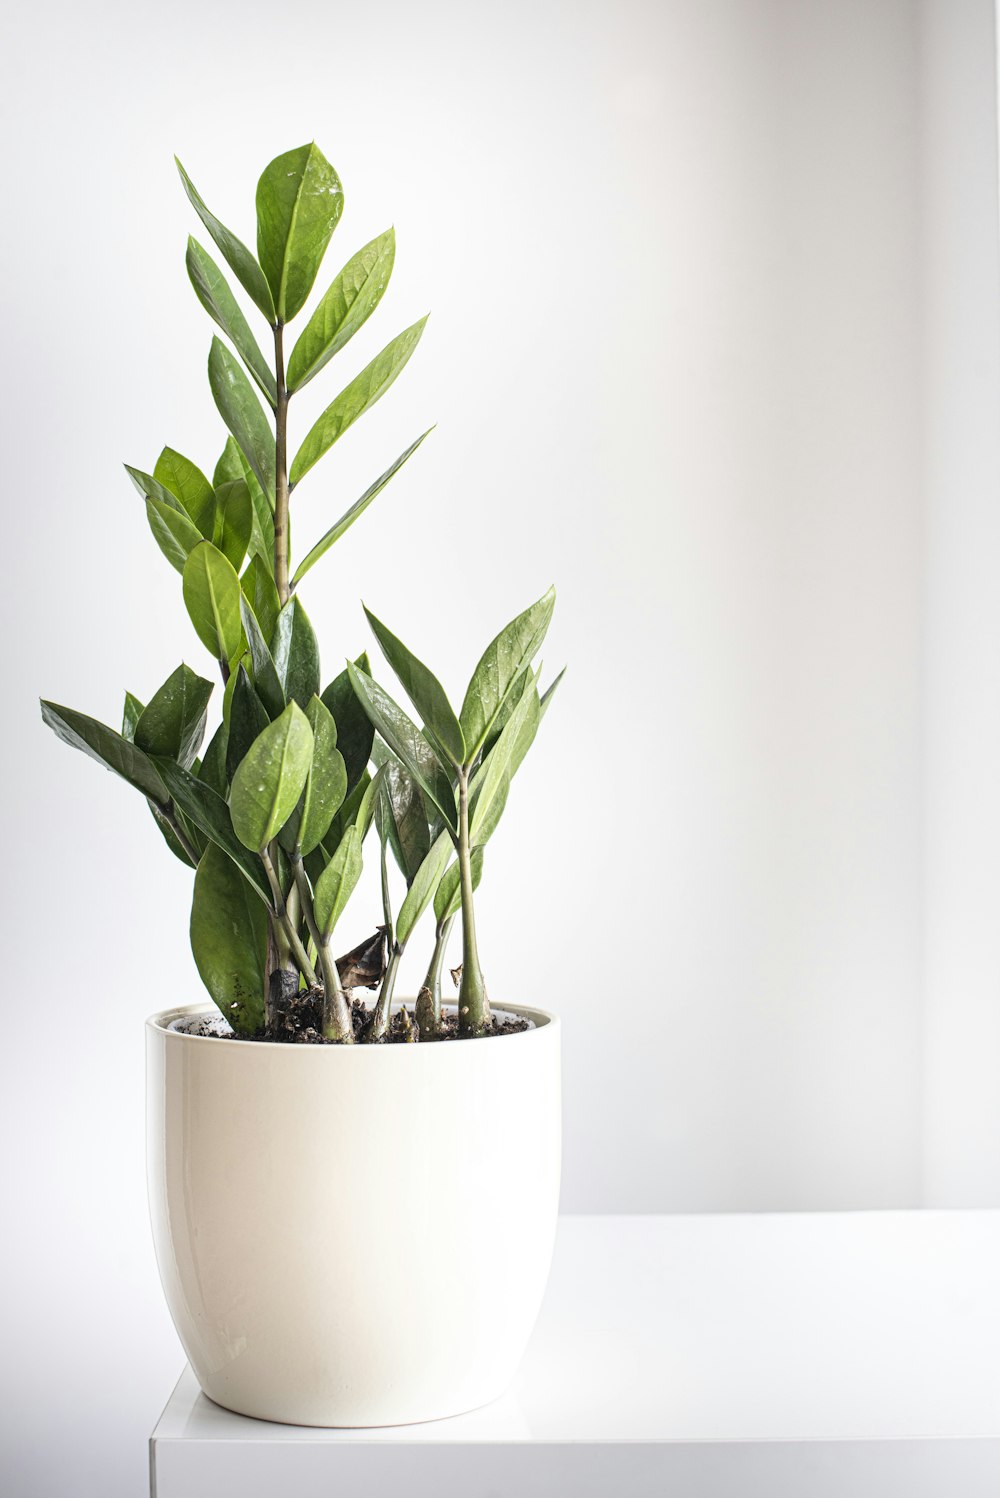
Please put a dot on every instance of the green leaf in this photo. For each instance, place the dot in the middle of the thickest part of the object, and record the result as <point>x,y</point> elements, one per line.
<point>229,940</point>
<point>130,716</point>
<point>171,839</point>
<point>151,488</point>
<point>110,749</point>
<point>186,482</point>
<point>337,882</point>
<point>344,308</point>
<point>265,675</point>
<point>241,411</point>
<point>212,598</point>
<point>367,803</point>
<point>238,257</point>
<point>400,814</point>
<point>247,721</point>
<point>499,668</point>
<point>230,464</point>
<point>262,536</point>
<point>173,724</point>
<point>448,898</point>
<point>342,819</point>
<point>261,594</point>
<point>357,509</point>
<point>173,532</point>
<point>423,886</point>
<point>407,743</point>
<point>326,786</point>
<point>296,654</point>
<point>271,778</point>
<point>352,402</point>
<point>213,765</point>
<point>550,691</point>
<point>299,203</point>
<point>492,781</point>
<point>233,524</point>
<point>207,810</point>
<point>423,689</point>
<point>213,292</point>
<point>354,728</point>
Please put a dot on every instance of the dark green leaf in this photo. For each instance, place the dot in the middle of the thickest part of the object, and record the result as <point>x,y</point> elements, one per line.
<point>247,721</point>
<point>186,482</point>
<point>299,202</point>
<point>233,525</point>
<point>173,724</point>
<point>400,815</point>
<point>407,743</point>
<point>173,532</point>
<point>423,885</point>
<point>265,676</point>
<point>296,654</point>
<point>238,257</point>
<point>261,594</point>
<point>344,818</point>
<point>354,513</point>
<point>354,728</point>
<point>130,716</point>
<point>212,291</point>
<point>207,810</point>
<point>337,882</point>
<point>356,399</point>
<point>229,940</point>
<point>213,766</point>
<point>423,689</point>
<point>271,778</point>
<point>448,898</point>
<point>241,411</point>
<point>110,749</point>
<point>262,536</point>
<point>212,598</point>
<point>170,837</point>
<point>344,308</point>
<point>499,668</point>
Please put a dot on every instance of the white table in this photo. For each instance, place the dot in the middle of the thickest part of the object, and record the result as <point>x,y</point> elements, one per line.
<point>847,1354</point>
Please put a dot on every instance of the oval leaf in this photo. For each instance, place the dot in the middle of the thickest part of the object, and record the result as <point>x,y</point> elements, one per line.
<point>271,778</point>
<point>265,676</point>
<point>238,257</point>
<point>326,787</point>
<point>186,482</point>
<point>423,689</point>
<point>299,203</point>
<point>247,721</point>
<point>499,668</point>
<point>356,399</point>
<point>233,523</point>
<point>229,940</point>
<point>212,597</point>
<point>355,733</point>
<point>241,411</point>
<point>423,887</point>
<point>110,749</point>
<point>337,882</point>
<point>173,724</point>
<point>296,654</point>
<point>174,533</point>
<point>344,308</point>
<point>212,291</point>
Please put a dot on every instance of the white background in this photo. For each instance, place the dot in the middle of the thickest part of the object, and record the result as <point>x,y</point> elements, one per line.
<point>713,347</point>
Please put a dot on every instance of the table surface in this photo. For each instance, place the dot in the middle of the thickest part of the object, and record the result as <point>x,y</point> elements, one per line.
<point>718,1331</point>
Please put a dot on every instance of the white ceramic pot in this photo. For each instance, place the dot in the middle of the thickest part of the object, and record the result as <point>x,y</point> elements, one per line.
<point>353,1235</point>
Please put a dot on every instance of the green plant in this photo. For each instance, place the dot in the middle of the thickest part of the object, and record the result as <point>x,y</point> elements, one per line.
<point>273,816</point>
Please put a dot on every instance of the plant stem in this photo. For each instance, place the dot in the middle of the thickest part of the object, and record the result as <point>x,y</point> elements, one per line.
<point>429,998</point>
<point>280,470</point>
<point>379,1022</point>
<point>298,951</point>
<point>336,1010</point>
<point>473,1005</point>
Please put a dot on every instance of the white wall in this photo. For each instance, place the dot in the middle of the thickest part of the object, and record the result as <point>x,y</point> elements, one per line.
<point>674,252</point>
<point>961,719</point>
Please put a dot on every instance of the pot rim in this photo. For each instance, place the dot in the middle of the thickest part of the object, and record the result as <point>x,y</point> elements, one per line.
<point>159,1024</point>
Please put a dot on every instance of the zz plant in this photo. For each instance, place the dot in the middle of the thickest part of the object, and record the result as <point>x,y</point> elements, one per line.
<point>274,814</point>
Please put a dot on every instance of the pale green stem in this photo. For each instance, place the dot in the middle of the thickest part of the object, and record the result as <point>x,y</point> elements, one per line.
<point>473,1005</point>
<point>298,951</point>
<point>429,998</point>
<point>336,1009</point>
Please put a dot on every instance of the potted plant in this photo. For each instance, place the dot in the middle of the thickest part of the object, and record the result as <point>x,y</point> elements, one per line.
<point>353,1202</point>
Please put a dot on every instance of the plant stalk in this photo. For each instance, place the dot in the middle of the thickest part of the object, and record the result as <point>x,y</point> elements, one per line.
<point>473,1005</point>
<point>429,997</point>
<point>337,1023</point>
<point>379,1022</point>
<point>296,948</point>
<point>281,490</point>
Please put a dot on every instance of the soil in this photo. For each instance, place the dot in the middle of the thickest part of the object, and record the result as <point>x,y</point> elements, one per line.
<point>299,1021</point>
